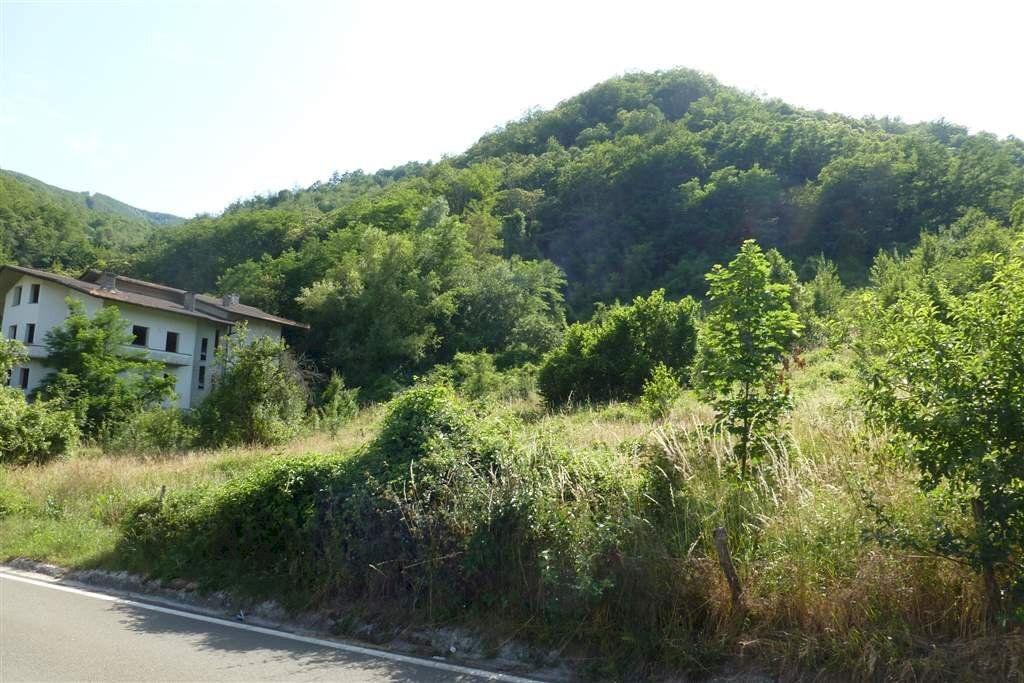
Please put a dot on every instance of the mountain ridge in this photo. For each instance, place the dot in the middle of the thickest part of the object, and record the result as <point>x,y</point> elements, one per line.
<point>97,201</point>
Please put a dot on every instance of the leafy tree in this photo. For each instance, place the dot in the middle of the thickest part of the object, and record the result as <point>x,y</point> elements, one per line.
<point>257,396</point>
<point>948,376</point>
<point>660,392</point>
<point>30,432</point>
<point>12,353</point>
<point>338,404</point>
<point>98,375</point>
<point>742,346</point>
<point>614,355</point>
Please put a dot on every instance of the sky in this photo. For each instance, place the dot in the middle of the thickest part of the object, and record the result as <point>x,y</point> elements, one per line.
<point>184,107</point>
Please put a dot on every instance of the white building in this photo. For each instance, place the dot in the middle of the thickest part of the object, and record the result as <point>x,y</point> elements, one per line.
<point>179,328</point>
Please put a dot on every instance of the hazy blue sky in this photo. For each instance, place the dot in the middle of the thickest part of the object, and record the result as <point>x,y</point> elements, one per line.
<point>186,106</point>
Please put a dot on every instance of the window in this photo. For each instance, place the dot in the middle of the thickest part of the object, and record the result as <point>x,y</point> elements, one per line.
<point>30,334</point>
<point>16,297</point>
<point>33,295</point>
<point>202,376</point>
<point>141,333</point>
<point>172,342</point>
<point>216,339</point>
<point>202,348</point>
<point>12,332</point>
<point>23,382</point>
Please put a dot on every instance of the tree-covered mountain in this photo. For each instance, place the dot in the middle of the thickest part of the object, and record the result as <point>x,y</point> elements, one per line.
<point>640,183</point>
<point>644,181</point>
<point>46,226</point>
<point>100,202</point>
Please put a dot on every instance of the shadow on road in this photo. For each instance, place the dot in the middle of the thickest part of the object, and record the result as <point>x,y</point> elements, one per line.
<point>314,661</point>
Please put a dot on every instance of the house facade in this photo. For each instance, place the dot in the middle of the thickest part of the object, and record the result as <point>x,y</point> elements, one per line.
<point>179,328</point>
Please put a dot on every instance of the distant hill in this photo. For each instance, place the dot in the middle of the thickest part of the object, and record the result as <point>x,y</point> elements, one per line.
<point>101,202</point>
<point>50,227</point>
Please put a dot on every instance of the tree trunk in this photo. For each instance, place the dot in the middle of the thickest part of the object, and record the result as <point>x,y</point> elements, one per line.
<point>993,597</point>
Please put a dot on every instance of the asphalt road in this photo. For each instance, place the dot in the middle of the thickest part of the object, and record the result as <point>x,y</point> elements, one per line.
<point>51,633</point>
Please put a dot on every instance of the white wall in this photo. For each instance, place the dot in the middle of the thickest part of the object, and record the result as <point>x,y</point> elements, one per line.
<point>49,312</point>
<point>52,310</point>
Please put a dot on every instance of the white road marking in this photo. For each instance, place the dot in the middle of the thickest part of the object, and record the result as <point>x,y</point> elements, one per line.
<point>343,647</point>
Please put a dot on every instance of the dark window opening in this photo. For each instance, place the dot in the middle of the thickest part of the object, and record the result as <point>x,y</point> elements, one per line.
<point>24,378</point>
<point>33,295</point>
<point>203,347</point>
<point>16,297</point>
<point>30,334</point>
<point>140,333</point>
<point>172,342</point>
<point>12,332</point>
<point>216,339</point>
<point>202,376</point>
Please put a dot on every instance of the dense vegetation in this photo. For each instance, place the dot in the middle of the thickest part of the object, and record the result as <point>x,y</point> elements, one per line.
<point>47,227</point>
<point>858,446</point>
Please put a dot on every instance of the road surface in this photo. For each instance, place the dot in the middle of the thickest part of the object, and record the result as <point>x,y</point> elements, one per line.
<point>52,632</point>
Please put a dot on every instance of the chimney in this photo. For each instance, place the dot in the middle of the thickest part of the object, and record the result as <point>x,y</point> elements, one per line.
<point>230,300</point>
<point>108,281</point>
<point>190,301</point>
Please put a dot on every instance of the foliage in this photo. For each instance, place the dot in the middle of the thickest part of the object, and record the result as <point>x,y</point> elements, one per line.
<point>155,431</point>
<point>12,353</point>
<point>47,227</point>
<point>640,183</point>
<point>948,376</point>
<point>742,345</point>
<point>612,356</point>
<point>32,433</point>
<point>257,395</point>
<point>97,375</point>
<point>660,392</point>
<point>337,404</point>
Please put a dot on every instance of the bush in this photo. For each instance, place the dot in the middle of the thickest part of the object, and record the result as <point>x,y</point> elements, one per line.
<point>33,433</point>
<point>258,397</point>
<point>338,404</point>
<point>660,392</point>
<point>98,375</point>
<point>158,431</point>
<point>337,525</point>
<point>613,356</point>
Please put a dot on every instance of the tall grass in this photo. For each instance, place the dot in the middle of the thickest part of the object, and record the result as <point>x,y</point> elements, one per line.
<point>588,530</point>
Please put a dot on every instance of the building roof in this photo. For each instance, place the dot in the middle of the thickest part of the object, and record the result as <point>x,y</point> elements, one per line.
<point>151,295</point>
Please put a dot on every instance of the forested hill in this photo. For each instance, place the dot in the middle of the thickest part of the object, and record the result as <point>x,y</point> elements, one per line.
<point>100,202</point>
<point>644,181</point>
<point>46,226</point>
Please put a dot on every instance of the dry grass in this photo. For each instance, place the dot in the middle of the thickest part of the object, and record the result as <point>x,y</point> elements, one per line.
<point>68,511</point>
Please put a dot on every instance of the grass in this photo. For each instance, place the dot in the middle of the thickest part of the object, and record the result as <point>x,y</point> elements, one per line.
<point>68,511</point>
<point>591,533</point>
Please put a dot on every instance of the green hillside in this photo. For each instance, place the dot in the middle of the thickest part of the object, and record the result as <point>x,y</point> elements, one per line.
<point>49,227</point>
<point>642,182</point>
<point>100,202</point>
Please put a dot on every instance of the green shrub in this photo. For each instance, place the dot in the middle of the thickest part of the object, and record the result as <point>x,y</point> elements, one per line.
<point>660,392</point>
<point>32,433</point>
<point>97,374</point>
<point>338,404</point>
<point>612,356</point>
<point>258,396</point>
<point>158,431</point>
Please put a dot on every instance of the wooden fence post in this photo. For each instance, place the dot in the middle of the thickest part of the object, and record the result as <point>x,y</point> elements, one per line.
<point>725,560</point>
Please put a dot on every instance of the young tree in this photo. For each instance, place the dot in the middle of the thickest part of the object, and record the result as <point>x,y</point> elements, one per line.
<point>948,376</point>
<point>12,352</point>
<point>99,376</point>
<point>258,398</point>
<point>742,345</point>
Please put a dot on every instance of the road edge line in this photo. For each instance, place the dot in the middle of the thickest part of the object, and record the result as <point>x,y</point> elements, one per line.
<point>54,584</point>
